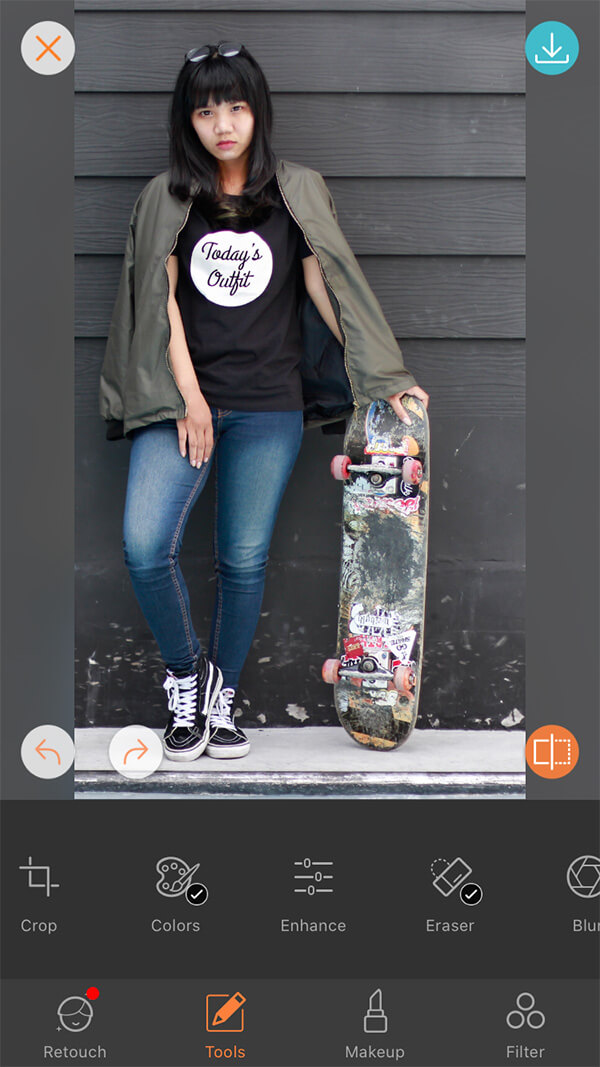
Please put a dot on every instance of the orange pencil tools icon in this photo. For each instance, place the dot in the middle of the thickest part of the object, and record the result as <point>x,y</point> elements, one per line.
<point>228,1008</point>
<point>224,1010</point>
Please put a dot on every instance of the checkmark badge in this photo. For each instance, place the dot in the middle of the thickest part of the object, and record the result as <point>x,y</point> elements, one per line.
<point>471,894</point>
<point>196,894</point>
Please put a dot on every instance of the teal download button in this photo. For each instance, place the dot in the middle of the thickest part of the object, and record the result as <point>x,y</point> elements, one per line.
<point>552,47</point>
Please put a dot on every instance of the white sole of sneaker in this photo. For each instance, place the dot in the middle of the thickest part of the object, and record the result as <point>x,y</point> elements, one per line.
<point>228,753</point>
<point>189,754</point>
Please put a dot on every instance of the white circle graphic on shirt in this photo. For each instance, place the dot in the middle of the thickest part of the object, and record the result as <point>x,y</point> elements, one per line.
<point>230,268</point>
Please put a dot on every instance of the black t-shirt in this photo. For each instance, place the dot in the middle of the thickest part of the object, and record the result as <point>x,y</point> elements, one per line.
<point>237,292</point>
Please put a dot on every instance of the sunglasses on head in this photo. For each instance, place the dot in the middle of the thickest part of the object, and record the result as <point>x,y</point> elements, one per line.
<point>207,51</point>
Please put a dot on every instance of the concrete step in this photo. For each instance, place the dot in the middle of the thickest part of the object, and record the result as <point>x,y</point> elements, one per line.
<point>322,761</point>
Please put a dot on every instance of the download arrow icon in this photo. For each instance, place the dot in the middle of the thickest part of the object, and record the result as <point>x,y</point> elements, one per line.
<point>551,47</point>
<point>554,51</point>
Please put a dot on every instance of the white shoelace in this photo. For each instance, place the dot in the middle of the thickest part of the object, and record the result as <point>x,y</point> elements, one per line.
<point>182,699</point>
<point>220,716</point>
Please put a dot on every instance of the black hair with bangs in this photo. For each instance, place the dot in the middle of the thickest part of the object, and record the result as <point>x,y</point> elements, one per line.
<point>193,171</point>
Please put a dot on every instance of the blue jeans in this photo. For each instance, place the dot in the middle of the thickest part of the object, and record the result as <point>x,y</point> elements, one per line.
<point>254,454</point>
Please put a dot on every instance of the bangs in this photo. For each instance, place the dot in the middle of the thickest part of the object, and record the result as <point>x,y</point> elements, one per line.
<point>220,80</point>
<point>216,80</point>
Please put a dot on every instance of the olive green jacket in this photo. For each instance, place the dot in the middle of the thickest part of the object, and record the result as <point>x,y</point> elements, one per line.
<point>137,383</point>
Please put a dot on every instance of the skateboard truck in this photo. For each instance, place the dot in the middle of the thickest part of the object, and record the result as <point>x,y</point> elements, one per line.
<point>410,471</point>
<point>403,679</point>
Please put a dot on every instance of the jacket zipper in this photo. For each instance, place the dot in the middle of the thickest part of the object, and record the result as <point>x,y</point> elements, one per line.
<point>324,277</point>
<point>189,208</point>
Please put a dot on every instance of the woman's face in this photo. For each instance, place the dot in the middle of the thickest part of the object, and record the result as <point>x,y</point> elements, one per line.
<point>225,129</point>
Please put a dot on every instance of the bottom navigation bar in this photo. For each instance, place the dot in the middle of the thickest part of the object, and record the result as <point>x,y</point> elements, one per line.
<point>300,1023</point>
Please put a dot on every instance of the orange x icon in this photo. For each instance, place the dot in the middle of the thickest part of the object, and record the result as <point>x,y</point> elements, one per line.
<point>48,47</point>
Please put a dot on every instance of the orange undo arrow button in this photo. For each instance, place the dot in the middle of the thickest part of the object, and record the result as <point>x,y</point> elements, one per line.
<point>41,744</point>
<point>40,750</point>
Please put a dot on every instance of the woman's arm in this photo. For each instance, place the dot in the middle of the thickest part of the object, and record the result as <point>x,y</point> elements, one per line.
<point>196,428</point>
<point>315,287</point>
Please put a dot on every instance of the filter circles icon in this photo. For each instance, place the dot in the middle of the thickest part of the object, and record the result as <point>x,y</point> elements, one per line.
<point>526,1014</point>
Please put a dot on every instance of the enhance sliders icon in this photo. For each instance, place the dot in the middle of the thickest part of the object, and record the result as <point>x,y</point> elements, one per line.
<point>315,877</point>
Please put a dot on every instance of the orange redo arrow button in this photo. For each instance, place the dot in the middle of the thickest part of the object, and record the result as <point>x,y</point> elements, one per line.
<point>141,750</point>
<point>135,751</point>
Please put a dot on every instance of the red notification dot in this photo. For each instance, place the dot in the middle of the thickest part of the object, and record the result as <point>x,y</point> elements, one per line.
<point>92,993</point>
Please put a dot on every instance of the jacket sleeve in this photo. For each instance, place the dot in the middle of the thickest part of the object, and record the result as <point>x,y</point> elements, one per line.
<point>116,357</point>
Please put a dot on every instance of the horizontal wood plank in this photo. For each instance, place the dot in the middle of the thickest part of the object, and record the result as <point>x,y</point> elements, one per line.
<point>310,52</point>
<point>421,296</point>
<point>462,377</point>
<point>384,216</point>
<point>399,136</point>
<point>300,5</point>
<point>477,499</point>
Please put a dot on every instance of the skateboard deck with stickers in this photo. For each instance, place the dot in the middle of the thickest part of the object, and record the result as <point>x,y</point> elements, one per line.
<point>377,671</point>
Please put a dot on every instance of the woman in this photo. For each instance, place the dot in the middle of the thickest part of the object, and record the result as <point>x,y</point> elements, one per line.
<point>205,363</point>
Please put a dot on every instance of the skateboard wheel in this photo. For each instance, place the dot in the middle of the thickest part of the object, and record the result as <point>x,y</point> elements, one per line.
<point>330,671</point>
<point>339,468</point>
<point>412,471</point>
<point>405,680</point>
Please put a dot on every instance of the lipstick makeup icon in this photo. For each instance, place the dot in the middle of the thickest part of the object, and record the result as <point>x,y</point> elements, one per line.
<point>375,1021</point>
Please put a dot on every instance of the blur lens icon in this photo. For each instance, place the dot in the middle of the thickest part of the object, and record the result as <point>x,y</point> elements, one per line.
<point>583,877</point>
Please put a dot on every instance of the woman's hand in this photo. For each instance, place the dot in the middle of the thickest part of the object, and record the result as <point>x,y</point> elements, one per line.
<point>395,402</point>
<point>196,431</point>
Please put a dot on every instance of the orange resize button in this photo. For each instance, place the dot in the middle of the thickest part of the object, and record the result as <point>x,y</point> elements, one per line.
<point>552,751</point>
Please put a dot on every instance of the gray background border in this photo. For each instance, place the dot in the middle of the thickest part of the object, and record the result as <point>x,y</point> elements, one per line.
<point>37,474</point>
<point>563,345</point>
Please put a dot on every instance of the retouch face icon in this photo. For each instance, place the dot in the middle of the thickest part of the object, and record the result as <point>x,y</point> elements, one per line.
<point>75,1014</point>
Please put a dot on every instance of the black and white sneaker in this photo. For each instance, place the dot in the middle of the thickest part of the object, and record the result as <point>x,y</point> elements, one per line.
<point>226,740</point>
<point>190,702</point>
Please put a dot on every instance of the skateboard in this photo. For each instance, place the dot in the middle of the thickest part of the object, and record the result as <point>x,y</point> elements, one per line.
<point>377,672</point>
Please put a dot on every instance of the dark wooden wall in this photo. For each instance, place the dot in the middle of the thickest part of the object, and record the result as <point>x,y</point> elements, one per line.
<point>414,111</point>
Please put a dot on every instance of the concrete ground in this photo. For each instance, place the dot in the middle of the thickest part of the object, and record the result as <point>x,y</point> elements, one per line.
<point>321,761</point>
